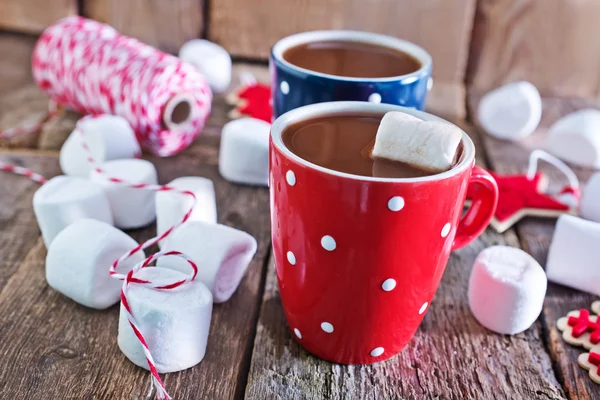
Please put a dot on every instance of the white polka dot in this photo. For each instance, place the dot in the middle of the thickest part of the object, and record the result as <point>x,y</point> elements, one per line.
<point>429,83</point>
<point>375,98</point>
<point>285,87</point>
<point>328,243</point>
<point>423,308</point>
<point>297,333</point>
<point>377,351</point>
<point>396,203</point>
<point>291,258</point>
<point>446,230</point>
<point>290,177</point>
<point>327,327</point>
<point>388,284</point>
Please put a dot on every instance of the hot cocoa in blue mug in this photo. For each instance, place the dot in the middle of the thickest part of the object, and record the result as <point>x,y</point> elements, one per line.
<point>320,66</point>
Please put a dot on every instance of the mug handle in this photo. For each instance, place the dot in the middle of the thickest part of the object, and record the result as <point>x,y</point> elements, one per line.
<point>483,206</point>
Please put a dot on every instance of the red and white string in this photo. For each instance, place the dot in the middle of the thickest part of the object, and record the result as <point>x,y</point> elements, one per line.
<point>89,67</point>
<point>10,133</point>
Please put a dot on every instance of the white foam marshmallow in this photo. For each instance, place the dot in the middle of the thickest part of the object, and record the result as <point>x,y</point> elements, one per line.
<point>79,259</point>
<point>573,254</point>
<point>171,207</point>
<point>429,145</point>
<point>131,207</point>
<point>221,253</point>
<point>175,322</point>
<point>211,59</point>
<point>65,199</point>
<point>576,138</point>
<point>108,137</point>
<point>506,289</point>
<point>244,152</point>
<point>512,111</point>
<point>589,208</point>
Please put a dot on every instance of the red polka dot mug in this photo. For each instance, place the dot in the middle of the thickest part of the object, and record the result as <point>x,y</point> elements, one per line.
<point>359,258</point>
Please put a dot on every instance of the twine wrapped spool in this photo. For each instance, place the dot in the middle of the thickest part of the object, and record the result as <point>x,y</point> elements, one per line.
<point>89,67</point>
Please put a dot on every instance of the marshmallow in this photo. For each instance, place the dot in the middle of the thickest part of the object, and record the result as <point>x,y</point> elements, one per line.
<point>65,199</point>
<point>244,153</point>
<point>174,322</point>
<point>589,208</point>
<point>573,254</point>
<point>131,207</point>
<point>171,207</point>
<point>428,145</point>
<point>79,259</point>
<point>506,289</point>
<point>213,61</point>
<point>221,253</point>
<point>511,112</point>
<point>108,137</point>
<point>576,138</point>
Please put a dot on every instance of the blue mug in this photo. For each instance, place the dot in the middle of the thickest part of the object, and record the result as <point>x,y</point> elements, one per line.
<point>294,87</point>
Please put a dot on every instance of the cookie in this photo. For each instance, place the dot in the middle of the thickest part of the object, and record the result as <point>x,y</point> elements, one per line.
<point>591,362</point>
<point>579,328</point>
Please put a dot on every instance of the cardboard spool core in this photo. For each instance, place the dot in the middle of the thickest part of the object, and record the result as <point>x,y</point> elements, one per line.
<point>177,114</point>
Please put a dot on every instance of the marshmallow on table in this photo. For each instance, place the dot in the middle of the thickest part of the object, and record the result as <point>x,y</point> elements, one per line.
<point>427,145</point>
<point>576,138</point>
<point>108,137</point>
<point>131,207</point>
<point>174,322</point>
<point>171,206</point>
<point>573,255</point>
<point>589,208</point>
<point>221,253</point>
<point>506,289</point>
<point>79,258</point>
<point>213,61</point>
<point>65,199</point>
<point>244,152</point>
<point>512,111</point>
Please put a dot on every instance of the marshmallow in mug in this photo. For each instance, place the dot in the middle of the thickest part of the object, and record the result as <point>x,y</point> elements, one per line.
<point>576,138</point>
<point>65,199</point>
<point>108,137</point>
<point>172,206</point>
<point>174,322</point>
<point>506,289</point>
<point>589,208</point>
<point>213,61</point>
<point>221,253</point>
<point>427,145</point>
<point>79,259</point>
<point>131,207</point>
<point>244,151</point>
<point>573,255</point>
<point>512,111</point>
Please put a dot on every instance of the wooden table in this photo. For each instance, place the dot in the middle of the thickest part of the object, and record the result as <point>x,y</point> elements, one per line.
<point>52,348</point>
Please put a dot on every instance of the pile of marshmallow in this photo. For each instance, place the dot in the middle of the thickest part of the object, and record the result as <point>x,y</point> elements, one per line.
<point>514,111</point>
<point>81,214</point>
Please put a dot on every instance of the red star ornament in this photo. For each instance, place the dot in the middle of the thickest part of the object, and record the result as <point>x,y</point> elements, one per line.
<point>519,197</point>
<point>251,100</point>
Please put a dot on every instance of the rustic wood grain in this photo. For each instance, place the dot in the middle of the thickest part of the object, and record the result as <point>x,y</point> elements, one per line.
<point>551,43</point>
<point>33,16</point>
<point>450,357</point>
<point>163,24</point>
<point>58,348</point>
<point>535,237</point>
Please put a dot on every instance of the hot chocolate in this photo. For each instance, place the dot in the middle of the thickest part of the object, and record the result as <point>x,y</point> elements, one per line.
<point>351,59</point>
<point>344,143</point>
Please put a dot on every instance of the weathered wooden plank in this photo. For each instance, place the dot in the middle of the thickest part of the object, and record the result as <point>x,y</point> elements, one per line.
<point>33,16</point>
<point>59,349</point>
<point>450,357</point>
<point>535,236</point>
<point>163,24</point>
<point>551,43</point>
